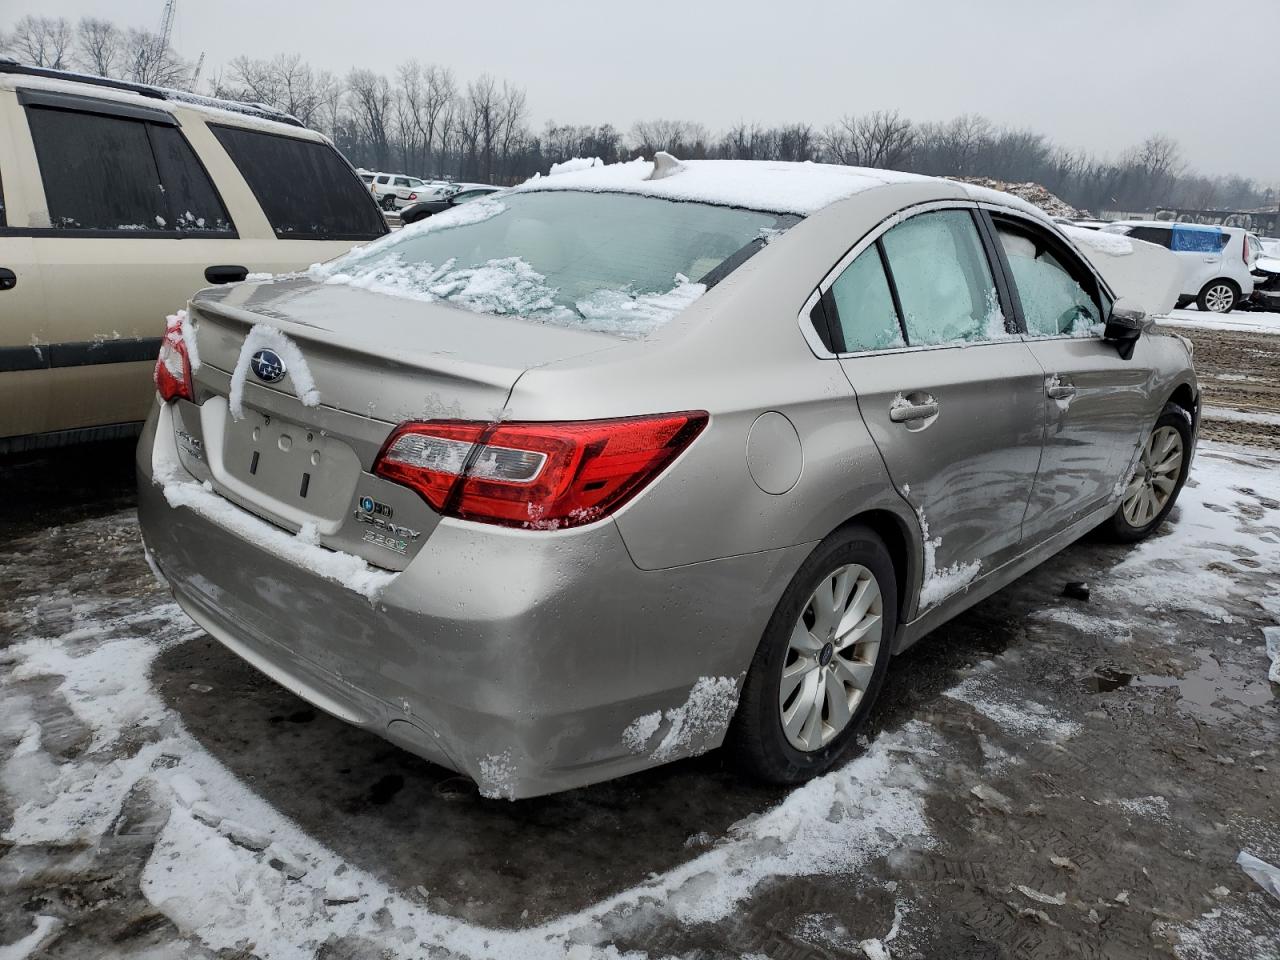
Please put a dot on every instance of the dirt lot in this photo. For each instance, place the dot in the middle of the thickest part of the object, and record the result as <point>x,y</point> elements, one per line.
<point>1045,777</point>
<point>1240,375</point>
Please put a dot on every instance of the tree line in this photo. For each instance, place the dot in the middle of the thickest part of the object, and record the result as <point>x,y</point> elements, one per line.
<point>423,120</point>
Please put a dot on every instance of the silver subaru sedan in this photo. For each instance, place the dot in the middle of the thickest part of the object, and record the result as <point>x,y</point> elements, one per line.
<point>631,461</point>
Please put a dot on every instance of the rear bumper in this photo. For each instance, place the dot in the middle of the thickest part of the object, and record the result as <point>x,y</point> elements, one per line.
<point>517,658</point>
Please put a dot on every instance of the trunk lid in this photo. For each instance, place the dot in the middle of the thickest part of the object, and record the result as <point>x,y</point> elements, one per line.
<point>298,450</point>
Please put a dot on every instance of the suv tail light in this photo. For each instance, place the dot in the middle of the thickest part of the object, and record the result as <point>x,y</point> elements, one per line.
<point>173,366</point>
<point>539,476</point>
<point>413,196</point>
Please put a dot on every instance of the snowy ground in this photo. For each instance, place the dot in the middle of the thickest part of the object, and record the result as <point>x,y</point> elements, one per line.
<point>1045,778</point>
<point>1241,321</point>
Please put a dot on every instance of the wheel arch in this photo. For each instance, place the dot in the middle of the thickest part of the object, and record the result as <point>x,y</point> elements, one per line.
<point>905,546</point>
<point>1186,396</point>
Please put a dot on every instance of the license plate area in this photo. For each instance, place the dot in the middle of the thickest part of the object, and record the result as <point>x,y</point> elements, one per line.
<point>291,464</point>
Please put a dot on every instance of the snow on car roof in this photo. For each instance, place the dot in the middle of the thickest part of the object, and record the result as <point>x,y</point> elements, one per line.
<point>223,111</point>
<point>772,186</point>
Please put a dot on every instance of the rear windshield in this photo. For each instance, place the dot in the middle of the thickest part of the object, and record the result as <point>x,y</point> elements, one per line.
<point>613,263</point>
<point>305,188</point>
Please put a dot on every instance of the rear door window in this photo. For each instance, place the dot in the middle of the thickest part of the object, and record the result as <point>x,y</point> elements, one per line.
<point>943,280</point>
<point>305,188</point>
<point>864,305</point>
<point>121,175</point>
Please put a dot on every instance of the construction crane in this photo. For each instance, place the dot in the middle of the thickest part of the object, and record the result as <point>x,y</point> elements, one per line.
<point>195,74</point>
<point>166,22</point>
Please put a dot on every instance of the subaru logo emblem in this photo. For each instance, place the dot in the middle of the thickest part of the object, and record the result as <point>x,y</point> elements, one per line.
<point>267,366</point>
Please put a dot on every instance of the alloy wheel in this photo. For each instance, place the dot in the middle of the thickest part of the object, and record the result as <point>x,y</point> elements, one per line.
<point>831,657</point>
<point>1219,298</point>
<point>1155,479</point>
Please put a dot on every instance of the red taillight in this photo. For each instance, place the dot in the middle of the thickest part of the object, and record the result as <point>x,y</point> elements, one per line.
<point>173,367</point>
<point>413,196</point>
<point>535,475</point>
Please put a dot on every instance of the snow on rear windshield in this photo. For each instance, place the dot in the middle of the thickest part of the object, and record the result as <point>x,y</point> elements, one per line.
<point>611,263</point>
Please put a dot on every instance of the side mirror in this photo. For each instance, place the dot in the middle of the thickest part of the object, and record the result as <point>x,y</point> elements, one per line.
<point>1127,322</point>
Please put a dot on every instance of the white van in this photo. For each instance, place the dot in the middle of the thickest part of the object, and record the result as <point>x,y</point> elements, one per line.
<point>1217,261</point>
<point>118,202</point>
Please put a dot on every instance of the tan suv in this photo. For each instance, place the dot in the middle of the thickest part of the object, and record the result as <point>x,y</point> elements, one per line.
<point>117,202</point>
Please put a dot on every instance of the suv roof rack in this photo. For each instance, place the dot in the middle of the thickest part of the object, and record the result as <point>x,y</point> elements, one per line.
<point>260,110</point>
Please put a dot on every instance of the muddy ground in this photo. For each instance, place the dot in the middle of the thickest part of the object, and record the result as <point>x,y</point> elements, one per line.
<point>1045,777</point>
<point>1239,373</point>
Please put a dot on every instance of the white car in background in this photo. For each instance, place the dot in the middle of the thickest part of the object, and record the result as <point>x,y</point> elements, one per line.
<point>1217,261</point>
<point>393,190</point>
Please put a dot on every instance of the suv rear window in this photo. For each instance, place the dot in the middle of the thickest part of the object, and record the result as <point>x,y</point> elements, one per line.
<point>1188,238</point>
<point>108,173</point>
<point>613,263</point>
<point>305,188</point>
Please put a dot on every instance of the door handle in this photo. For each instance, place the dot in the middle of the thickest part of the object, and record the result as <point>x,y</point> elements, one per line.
<point>8,279</point>
<point>226,273</point>
<point>907,412</point>
<point>1060,391</point>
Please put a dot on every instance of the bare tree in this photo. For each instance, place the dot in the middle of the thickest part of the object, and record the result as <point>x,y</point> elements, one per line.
<point>879,139</point>
<point>148,59</point>
<point>98,45</point>
<point>678,137</point>
<point>371,101</point>
<point>42,41</point>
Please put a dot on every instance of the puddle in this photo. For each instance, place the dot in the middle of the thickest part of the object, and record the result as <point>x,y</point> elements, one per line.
<point>1200,691</point>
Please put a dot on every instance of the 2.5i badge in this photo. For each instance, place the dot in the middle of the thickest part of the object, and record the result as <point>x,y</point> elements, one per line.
<point>386,534</point>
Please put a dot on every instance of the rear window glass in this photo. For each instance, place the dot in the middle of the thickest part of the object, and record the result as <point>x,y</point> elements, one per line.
<point>117,174</point>
<point>307,190</point>
<point>613,263</point>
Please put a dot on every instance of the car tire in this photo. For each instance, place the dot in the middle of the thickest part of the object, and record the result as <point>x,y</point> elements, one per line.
<point>765,738</point>
<point>1218,296</point>
<point>1145,502</point>
<point>389,203</point>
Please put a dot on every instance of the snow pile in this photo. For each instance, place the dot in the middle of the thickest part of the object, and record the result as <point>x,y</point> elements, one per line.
<point>1032,193</point>
<point>574,165</point>
<point>691,727</point>
<point>264,336</point>
<point>634,315</point>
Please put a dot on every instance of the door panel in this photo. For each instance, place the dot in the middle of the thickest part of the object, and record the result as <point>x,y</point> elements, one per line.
<point>969,468</point>
<point>24,343</point>
<point>1095,403</point>
<point>116,290</point>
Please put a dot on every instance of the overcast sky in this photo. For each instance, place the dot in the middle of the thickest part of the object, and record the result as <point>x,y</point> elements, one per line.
<point>1094,74</point>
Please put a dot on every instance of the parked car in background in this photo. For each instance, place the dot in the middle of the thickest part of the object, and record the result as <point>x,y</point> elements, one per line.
<point>119,201</point>
<point>422,209</point>
<point>393,190</point>
<point>366,176</point>
<point>1217,261</point>
<point>1266,277</point>
<point>651,457</point>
